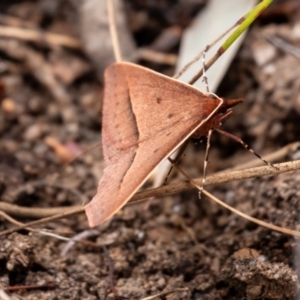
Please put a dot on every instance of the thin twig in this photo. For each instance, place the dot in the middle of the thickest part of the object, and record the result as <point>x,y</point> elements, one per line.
<point>283,45</point>
<point>40,36</point>
<point>157,57</point>
<point>110,268</point>
<point>252,219</point>
<point>34,212</point>
<point>113,30</point>
<point>15,222</point>
<point>223,177</point>
<point>239,213</point>
<point>71,212</point>
<point>46,233</point>
<point>30,287</point>
<point>79,237</point>
<point>174,188</point>
<point>74,241</point>
<point>166,293</point>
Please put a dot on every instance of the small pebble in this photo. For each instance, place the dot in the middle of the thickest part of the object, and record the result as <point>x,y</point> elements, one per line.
<point>8,105</point>
<point>33,132</point>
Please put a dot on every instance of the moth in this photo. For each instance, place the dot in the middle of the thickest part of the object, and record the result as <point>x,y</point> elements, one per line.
<point>146,117</point>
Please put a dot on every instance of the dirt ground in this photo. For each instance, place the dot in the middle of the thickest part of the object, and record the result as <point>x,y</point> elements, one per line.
<point>50,111</point>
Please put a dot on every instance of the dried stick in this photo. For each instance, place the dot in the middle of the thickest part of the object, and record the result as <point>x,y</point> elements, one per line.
<point>15,222</point>
<point>216,179</point>
<point>162,191</point>
<point>168,190</point>
<point>40,36</point>
<point>113,30</point>
<point>166,293</point>
<point>237,212</point>
<point>51,234</point>
<point>157,57</point>
<point>69,213</point>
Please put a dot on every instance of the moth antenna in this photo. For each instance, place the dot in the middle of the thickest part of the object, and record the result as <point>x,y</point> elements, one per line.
<point>205,79</point>
<point>247,147</point>
<point>199,55</point>
<point>205,162</point>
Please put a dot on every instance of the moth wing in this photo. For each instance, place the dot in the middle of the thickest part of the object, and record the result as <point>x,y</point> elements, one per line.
<point>146,116</point>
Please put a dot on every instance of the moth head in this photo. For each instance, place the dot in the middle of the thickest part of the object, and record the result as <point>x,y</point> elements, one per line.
<point>228,104</point>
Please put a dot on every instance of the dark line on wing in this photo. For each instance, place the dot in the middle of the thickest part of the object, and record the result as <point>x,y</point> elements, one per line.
<point>137,133</point>
<point>149,137</point>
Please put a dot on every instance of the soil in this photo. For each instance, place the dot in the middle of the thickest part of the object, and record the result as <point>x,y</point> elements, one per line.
<point>50,111</point>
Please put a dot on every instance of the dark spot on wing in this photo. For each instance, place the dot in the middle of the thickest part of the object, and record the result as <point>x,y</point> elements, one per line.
<point>170,116</point>
<point>158,100</point>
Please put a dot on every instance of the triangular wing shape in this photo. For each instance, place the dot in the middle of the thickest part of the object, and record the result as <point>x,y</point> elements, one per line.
<point>146,116</point>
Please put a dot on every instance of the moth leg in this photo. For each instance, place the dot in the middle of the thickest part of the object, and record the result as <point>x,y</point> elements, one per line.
<point>237,139</point>
<point>175,160</point>
<point>205,162</point>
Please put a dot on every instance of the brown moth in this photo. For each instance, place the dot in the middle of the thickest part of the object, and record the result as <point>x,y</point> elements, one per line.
<point>146,117</point>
